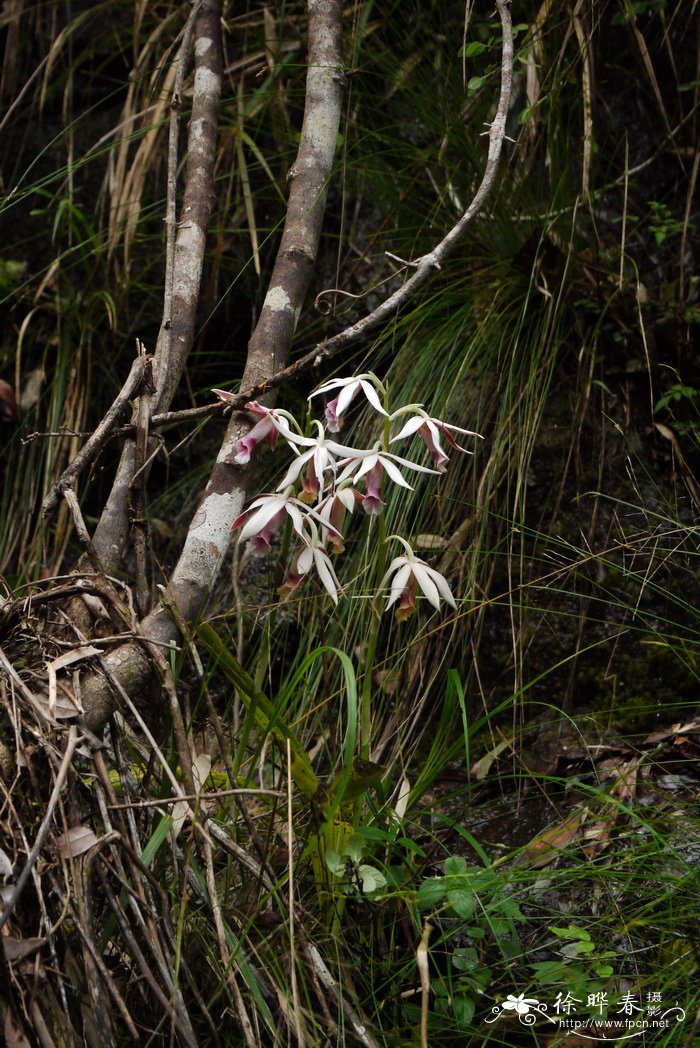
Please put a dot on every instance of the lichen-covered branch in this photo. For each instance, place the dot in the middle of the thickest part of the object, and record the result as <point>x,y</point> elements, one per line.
<point>184,268</point>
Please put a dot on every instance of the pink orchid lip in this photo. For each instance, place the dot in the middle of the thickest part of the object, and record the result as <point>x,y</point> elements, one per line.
<point>332,416</point>
<point>437,455</point>
<point>261,542</point>
<point>372,505</point>
<point>372,502</point>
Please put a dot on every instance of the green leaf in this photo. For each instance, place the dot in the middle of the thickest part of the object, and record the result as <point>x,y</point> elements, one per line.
<point>355,847</point>
<point>475,82</point>
<point>455,865</point>
<point>431,893</point>
<point>465,959</point>
<point>550,973</point>
<point>462,902</point>
<point>334,862</point>
<point>499,927</point>
<point>472,49</point>
<point>571,932</point>
<point>464,1009</point>
<point>156,839</point>
<point>372,879</point>
<point>509,908</point>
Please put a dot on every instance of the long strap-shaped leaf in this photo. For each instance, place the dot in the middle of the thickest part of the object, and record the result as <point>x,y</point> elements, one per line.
<point>266,715</point>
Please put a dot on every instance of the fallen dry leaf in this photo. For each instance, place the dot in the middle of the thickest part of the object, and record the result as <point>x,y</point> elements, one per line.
<point>32,388</point>
<point>481,768</point>
<point>547,846</point>
<point>76,841</point>
<point>86,651</point>
<point>16,949</point>
<point>201,766</point>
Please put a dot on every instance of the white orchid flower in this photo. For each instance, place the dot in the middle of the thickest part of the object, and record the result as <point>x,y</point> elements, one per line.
<point>409,573</point>
<point>270,425</point>
<point>429,430</point>
<point>370,465</point>
<point>321,456</point>
<point>314,555</point>
<point>349,388</point>
<point>266,516</point>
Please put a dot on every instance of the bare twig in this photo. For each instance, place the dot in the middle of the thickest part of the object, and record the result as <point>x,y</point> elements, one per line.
<point>210,795</point>
<point>96,442</point>
<point>171,190</point>
<point>139,525</point>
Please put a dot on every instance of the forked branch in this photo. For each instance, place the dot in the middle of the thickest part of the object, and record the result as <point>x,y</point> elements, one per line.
<point>209,535</point>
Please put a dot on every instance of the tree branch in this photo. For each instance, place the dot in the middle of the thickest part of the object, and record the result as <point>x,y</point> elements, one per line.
<point>184,268</point>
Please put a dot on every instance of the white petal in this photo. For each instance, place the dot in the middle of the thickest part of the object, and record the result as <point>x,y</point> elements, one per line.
<point>394,473</point>
<point>426,584</point>
<point>346,396</point>
<point>262,517</point>
<point>347,472</point>
<point>296,518</point>
<point>224,395</point>
<point>305,560</point>
<point>334,383</point>
<point>395,564</point>
<point>326,573</point>
<point>411,427</point>
<point>399,584</point>
<point>292,474</point>
<point>410,465</point>
<point>457,429</point>
<point>367,464</point>
<point>440,582</point>
<point>295,438</point>
<point>371,394</point>
<point>347,497</point>
<point>340,450</point>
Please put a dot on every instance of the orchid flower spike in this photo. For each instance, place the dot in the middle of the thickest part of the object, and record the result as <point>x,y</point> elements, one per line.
<point>349,388</point>
<point>409,574</point>
<point>429,430</point>
<point>271,424</point>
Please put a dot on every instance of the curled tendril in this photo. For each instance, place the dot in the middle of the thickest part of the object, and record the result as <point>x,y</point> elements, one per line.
<point>322,303</point>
